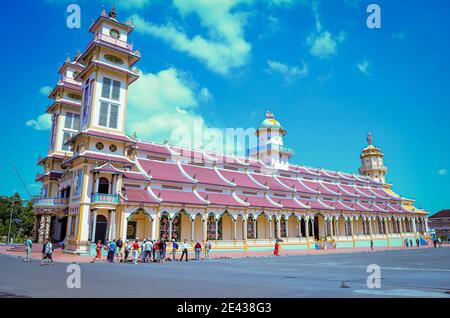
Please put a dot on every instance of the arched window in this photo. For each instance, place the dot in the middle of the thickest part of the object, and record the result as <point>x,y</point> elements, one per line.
<point>103,185</point>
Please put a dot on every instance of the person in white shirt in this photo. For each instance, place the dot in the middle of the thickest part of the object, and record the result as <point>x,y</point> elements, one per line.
<point>184,249</point>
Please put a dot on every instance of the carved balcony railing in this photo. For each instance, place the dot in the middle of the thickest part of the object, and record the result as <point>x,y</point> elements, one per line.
<point>105,198</point>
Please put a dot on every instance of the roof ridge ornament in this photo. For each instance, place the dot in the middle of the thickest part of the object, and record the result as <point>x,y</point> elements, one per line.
<point>369,139</point>
<point>113,14</point>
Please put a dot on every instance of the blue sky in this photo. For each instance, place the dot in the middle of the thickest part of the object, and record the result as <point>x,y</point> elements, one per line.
<point>315,64</point>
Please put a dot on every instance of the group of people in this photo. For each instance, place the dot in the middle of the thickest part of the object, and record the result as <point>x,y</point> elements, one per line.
<point>409,243</point>
<point>147,251</point>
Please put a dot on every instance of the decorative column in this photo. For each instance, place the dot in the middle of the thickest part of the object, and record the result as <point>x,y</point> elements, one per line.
<point>154,227</point>
<point>234,228</point>
<point>113,225</point>
<point>217,229</point>
<point>426,225</point>
<point>312,227</point>
<point>331,227</point>
<point>307,228</point>
<point>254,228</point>
<point>96,184</point>
<point>94,224</point>
<point>244,225</point>
<point>325,225</point>
<point>299,222</point>
<point>278,224</point>
<point>287,227</point>
<point>193,229</point>
<point>170,228</point>
<point>414,226</point>
<point>338,233</point>
<point>270,228</point>
<point>205,226</point>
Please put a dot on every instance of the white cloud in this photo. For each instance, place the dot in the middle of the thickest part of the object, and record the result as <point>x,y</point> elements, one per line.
<point>45,90</point>
<point>162,102</point>
<point>225,47</point>
<point>323,43</point>
<point>289,73</point>
<point>442,172</point>
<point>205,95</point>
<point>42,122</point>
<point>126,4</point>
<point>363,67</point>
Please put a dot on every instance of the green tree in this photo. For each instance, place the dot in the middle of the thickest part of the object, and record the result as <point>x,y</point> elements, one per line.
<point>22,220</point>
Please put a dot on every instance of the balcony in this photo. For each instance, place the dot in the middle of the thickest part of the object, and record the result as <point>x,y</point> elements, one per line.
<point>50,202</point>
<point>117,42</point>
<point>105,198</point>
<point>71,81</point>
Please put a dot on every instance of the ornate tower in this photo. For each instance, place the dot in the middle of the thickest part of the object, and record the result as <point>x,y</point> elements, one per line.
<point>270,148</point>
<point>372,162</point>
<point>105,79</point>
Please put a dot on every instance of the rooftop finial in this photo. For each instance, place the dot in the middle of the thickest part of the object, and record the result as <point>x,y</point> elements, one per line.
<point>369,138</point>
<point>112,13</point>
<point>103,14</point>
<point>270,115</point>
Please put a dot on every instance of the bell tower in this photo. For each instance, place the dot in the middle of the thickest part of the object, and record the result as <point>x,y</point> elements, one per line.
<point>372,162</point>
<point>107,74</point>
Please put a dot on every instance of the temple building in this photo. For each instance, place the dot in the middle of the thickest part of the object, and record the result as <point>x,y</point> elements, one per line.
<point>100,184</point>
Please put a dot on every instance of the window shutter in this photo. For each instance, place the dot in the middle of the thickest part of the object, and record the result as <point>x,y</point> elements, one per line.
<point>102,121</point>
<point>106,87</point>
<point>68,121</point>
<point>66,136</point>
<point>113,116</point>
<point>76,122</point>
<point>116,90</point>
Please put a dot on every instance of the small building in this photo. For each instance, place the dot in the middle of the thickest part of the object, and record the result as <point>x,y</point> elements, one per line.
<point>440,222</point>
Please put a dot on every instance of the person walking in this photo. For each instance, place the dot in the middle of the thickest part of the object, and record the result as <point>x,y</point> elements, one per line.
<point>48,252</point>
<point>127,251</point>
<point>98,251</point>
<point>434,243</point>
<point>410,243</point>
<point>208,247</point>
<point>406,242</point>
<point>148,251</point>
<point>135,251</point>
<point>154,250</point>
<point>111,251</point>
<point>184,250</point>
<point>157,254</point>
<point>28,245</point>
<point>164,250</point>
<point>142,255</point>
<point>161,250</point>
<point>276,251</point>
<point>174,250</point>
<point>119,253</point>
<point>417,242</point>
<point>198,250</point>
<point>371,245</point>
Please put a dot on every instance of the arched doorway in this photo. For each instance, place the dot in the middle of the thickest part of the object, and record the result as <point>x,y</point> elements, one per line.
<point>139,226</point>
<point>342,226</point>
<point>319,226</point>
<point>211,230</point>
<point>226,226</point>
<point>262,226</point>
<point>101,224</point>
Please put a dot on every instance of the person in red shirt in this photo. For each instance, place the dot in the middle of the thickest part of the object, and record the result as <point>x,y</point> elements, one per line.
<point>135,251</point>
<point>276,252</point>
<point>98,250</point>
<point>198,249</point>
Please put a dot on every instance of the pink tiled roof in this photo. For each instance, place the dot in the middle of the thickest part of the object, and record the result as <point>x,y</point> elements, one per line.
<point>180,197</point>
<point>257,201</point>
<point>288,203</point>
<point>349,189</point>
<point>270,182</point>
<point>139,195</point>
<point>134,176</point>
<point>315,204</point>
<point>221,199</point>
<point>155,148</point>
<point>165,171</point>
<point>294,183</point>
<point>240,178</point>
<point>364,192</point>
<point>347,206</point>
<point>204,175</point>
<point>318,187</point>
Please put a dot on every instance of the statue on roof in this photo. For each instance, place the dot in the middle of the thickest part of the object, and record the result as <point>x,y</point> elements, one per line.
<point>269,115</point>
<point>369,139</point>
<point>112,13</point>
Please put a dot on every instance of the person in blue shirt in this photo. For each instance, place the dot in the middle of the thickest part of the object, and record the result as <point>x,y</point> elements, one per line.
<point>28,245</point>
<point>111,251</point>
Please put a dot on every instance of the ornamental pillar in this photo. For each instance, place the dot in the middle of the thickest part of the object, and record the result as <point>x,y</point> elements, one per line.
<point>193,229</point>
<point>234,228</point>
<point>299,223</point>
<point>217,229</point>
<point>270,228</point>
<point>94,225</point>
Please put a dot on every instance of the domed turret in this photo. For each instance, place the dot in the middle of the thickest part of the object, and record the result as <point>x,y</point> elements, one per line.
<point>372,162</point>
<point>270,147</point>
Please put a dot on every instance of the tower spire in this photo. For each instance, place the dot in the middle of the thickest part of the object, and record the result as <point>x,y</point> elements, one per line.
<point>369,138</point>
<point>112,14</point>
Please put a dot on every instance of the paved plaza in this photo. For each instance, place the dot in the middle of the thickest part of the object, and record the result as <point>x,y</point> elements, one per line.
<point>404,273</point>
